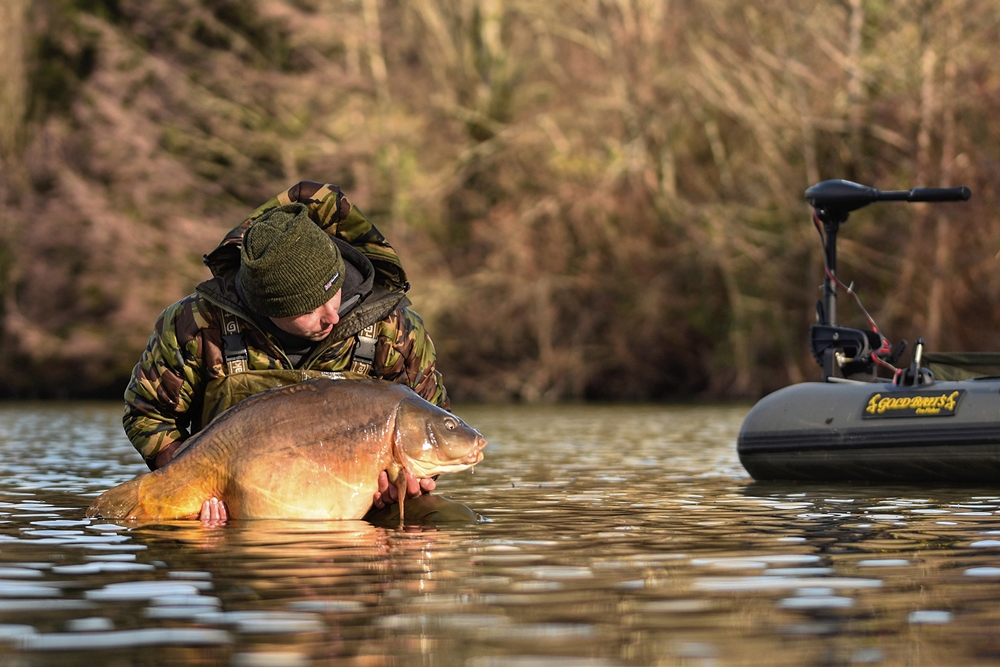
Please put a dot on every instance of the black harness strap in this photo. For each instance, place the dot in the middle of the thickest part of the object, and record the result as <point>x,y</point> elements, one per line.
<point>363,359</point>
<point>234,350</point>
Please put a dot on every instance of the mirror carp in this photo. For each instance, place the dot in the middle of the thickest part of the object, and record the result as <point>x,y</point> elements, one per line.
<point>312,450</point>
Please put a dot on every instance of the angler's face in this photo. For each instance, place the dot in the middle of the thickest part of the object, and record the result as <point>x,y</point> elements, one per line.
<point>314,325</point>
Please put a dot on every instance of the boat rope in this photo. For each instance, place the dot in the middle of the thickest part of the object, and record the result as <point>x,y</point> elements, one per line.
<point>886,347</point>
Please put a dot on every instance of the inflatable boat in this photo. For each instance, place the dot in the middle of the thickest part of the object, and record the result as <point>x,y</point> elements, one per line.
<point>935,420</point>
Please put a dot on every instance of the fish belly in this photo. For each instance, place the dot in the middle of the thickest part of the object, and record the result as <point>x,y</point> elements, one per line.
<point>303,482</point>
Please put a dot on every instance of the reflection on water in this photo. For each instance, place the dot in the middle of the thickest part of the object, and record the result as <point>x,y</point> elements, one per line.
<point>614,536</point>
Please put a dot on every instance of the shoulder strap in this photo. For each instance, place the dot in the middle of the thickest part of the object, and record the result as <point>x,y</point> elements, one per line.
<point>234,350</point>
<point>363,358</point>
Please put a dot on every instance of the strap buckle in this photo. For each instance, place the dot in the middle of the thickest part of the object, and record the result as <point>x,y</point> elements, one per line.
<point>234,350</point>
<point>363,360</point>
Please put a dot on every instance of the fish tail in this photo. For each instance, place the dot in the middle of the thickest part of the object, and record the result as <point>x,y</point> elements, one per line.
<point>167,493</point>
<point>120,502</point>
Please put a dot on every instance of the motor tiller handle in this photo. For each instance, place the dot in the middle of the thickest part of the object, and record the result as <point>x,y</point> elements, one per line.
<point>839,197</point>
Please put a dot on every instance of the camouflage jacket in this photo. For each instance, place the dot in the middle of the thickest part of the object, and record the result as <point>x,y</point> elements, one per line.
<point>163,400</point>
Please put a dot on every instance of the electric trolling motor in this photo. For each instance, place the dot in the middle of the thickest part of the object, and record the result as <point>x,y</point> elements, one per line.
<point>844,352</point>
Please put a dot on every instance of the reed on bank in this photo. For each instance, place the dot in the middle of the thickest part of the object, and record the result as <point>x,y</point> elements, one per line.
<point>597,199</point>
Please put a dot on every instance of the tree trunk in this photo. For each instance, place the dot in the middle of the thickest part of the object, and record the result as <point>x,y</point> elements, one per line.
<point>855,83</point>
<point>898,300</point>
<point>376,58</point>
<point>13,81</point>
<point>943,251</point>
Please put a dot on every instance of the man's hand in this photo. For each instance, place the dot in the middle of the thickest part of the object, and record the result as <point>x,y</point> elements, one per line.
<point>166,455</point>
<point>213,513</point>
<point>387,493</point>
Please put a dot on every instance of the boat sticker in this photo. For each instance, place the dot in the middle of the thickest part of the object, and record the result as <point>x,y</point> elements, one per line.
<point>913,404</point>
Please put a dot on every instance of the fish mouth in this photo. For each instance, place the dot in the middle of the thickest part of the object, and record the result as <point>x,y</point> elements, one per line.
<point>476,455</point>
<point>429,469</point>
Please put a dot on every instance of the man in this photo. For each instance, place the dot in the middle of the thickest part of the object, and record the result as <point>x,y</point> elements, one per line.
<point>306,285</point>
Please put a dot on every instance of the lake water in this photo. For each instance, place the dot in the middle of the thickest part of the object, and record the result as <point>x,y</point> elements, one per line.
<point>613,536</point>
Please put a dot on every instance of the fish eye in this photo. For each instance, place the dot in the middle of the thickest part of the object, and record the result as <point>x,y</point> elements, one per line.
<point>450,424</point>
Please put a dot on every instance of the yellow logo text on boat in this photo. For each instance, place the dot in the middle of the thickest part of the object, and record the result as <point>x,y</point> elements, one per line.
<point>913,404</point>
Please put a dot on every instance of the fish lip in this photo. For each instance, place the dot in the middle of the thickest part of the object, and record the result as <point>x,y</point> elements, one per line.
<point>478,452</point>
<point>476,455</point>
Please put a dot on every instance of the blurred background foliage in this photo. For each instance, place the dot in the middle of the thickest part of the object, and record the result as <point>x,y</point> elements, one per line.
<point>596,199</point>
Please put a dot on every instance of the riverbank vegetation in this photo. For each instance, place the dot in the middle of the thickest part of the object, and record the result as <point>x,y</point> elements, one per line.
<point>594,199</point>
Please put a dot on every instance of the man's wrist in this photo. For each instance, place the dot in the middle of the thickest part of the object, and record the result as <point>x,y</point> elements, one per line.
<point>166,455</point>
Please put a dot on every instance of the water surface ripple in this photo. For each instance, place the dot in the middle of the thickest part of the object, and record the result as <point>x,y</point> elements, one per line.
<point>614,535</point>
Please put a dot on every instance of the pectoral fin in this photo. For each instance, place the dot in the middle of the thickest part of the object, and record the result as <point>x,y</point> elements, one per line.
<point>397,475</point>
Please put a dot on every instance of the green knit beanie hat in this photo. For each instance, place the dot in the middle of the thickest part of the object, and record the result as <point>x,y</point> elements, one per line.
<point>289,266</point>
